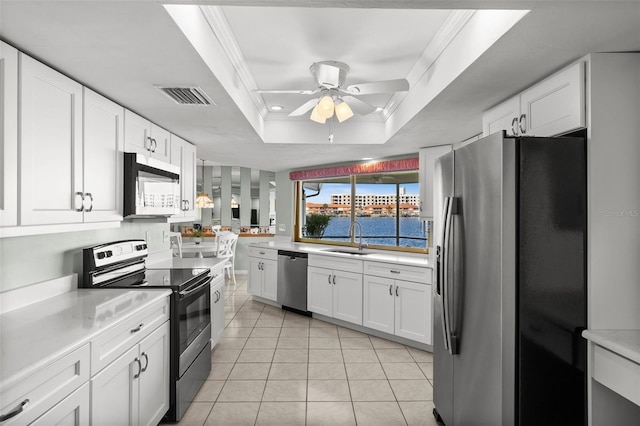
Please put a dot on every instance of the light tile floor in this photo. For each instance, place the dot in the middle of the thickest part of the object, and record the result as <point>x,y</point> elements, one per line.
<point>274,367</point>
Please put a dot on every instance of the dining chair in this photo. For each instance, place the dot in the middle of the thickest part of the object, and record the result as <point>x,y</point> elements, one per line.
<point>216,228</point>
<point>175,242</point>
<point>227,250</point>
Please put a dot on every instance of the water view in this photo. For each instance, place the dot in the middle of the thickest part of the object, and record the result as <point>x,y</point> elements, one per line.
<point>379,230</point>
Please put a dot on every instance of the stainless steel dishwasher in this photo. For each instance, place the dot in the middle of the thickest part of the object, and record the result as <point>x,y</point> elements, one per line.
<point>292,280</point>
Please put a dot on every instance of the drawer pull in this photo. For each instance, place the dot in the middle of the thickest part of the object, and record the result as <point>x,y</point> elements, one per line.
<point>393,271</point>
<point>261,252</point>
<point>138,328</point>
<point>15,411</point>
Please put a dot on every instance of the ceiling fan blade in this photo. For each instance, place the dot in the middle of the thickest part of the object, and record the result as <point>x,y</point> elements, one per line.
<point>295,92</point>
<point>357,106</point>
<point>399,85</point>
<point>304,107</point>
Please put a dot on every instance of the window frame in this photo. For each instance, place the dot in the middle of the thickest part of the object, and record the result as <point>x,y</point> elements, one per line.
<point>297,225</point>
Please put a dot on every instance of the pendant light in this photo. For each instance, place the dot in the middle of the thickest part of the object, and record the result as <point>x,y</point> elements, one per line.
<point>202,200</point>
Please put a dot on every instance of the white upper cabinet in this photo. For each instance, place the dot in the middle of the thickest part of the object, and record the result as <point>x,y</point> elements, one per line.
<point>428,158</point>
<point>504,116</point>
<point>8,135</point>
<point>183,155</point>
<point>555,105</point>
<point>143,137</point>
<point>50,183</point>
<point>161,143</point>
<point>103,158</point>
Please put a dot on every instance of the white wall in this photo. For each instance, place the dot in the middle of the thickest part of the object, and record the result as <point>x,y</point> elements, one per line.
<point>613,122</point>
<point>32,259</point>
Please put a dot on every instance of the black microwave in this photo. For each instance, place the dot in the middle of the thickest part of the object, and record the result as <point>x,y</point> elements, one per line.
<point>151,187</point>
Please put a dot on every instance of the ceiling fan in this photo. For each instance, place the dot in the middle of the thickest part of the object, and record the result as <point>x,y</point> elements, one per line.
<point>333,96</point>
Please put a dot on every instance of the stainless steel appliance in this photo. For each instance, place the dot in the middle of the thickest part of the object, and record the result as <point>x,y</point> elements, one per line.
<point>510,294</point>
<point>292,280</point>
<point>122,265</point>
<point>151,187</point>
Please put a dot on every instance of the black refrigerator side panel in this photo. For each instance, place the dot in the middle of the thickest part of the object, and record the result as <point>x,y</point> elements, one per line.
<point>551,282</point>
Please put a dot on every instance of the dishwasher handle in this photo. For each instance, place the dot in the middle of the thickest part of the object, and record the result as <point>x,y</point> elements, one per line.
<point>292,254</point>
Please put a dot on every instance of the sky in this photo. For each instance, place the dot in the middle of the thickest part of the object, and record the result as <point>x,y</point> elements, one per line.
<point>345,188</point>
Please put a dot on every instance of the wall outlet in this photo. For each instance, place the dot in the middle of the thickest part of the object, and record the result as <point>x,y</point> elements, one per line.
<point>282,227</point>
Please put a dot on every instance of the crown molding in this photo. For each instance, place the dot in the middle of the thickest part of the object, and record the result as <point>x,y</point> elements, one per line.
<point>220,27</point>
<point>454,23</point>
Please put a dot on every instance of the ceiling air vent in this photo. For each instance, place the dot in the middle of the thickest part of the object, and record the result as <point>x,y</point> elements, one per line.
<point>186,95</point>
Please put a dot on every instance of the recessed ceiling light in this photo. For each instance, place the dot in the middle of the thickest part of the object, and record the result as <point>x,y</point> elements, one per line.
<point>276,108</point>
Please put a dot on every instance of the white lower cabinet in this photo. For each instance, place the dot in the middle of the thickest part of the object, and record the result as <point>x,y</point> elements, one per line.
<point>335,293</point>
<point>134,389</point>
<point>73,410</point>
<point>217,307</point>
<point>263,273</point>
<point>397,300</point>
<point>402,308</point>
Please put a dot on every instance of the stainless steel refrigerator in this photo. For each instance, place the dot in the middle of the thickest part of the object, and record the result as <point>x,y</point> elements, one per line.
<point>510,293</point>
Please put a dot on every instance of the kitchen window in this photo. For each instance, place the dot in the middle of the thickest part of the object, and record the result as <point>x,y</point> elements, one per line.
<point>385,204</point>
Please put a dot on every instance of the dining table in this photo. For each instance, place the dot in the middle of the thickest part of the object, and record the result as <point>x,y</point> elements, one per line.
<point>201,249</point>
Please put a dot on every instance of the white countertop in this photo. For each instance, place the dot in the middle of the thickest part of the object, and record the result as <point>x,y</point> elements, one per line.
<point>412,259</point>
<point>623,342</point>
<point>33,336</point>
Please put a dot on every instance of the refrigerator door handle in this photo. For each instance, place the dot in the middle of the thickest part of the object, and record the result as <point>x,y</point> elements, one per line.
<point>447,282</point>
<point>443,274</point>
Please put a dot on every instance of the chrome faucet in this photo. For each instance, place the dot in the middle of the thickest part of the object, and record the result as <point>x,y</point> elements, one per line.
<point>352,229</point>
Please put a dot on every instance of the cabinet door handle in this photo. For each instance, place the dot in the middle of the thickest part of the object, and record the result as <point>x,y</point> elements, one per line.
<point>188,205</point>
<point>390,289</point>
<point>150,142</point>
<point>393,271</point>
<point>88,194</point>
<point>81,195</point>
<point>11,414</point>
<point>514,126</point>
<point>146,362</point>
<point>397,295</point>
<point>329,278</point>
<point>154,145</point>
<point>334,280</point>
<point>137,361</point>
<point>523,119</point>
<point>138,328</point>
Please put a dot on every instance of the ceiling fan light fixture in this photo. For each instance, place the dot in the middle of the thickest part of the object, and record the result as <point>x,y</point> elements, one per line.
<point>316,116</point>
<point>343,111</point>
<point>325,107</point>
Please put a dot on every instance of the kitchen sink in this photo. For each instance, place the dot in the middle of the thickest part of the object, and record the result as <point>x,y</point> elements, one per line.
<point>343,251</point>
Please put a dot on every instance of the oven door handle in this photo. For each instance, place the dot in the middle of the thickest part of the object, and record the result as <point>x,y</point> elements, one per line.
<point>186,293</point>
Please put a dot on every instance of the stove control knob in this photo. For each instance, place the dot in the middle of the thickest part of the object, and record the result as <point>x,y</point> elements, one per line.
<point>101,255</point>
<point>109,253</point>
<point>144,246</point>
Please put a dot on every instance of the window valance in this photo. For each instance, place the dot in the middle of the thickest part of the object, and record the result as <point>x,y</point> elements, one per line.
<point>357,169</point>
